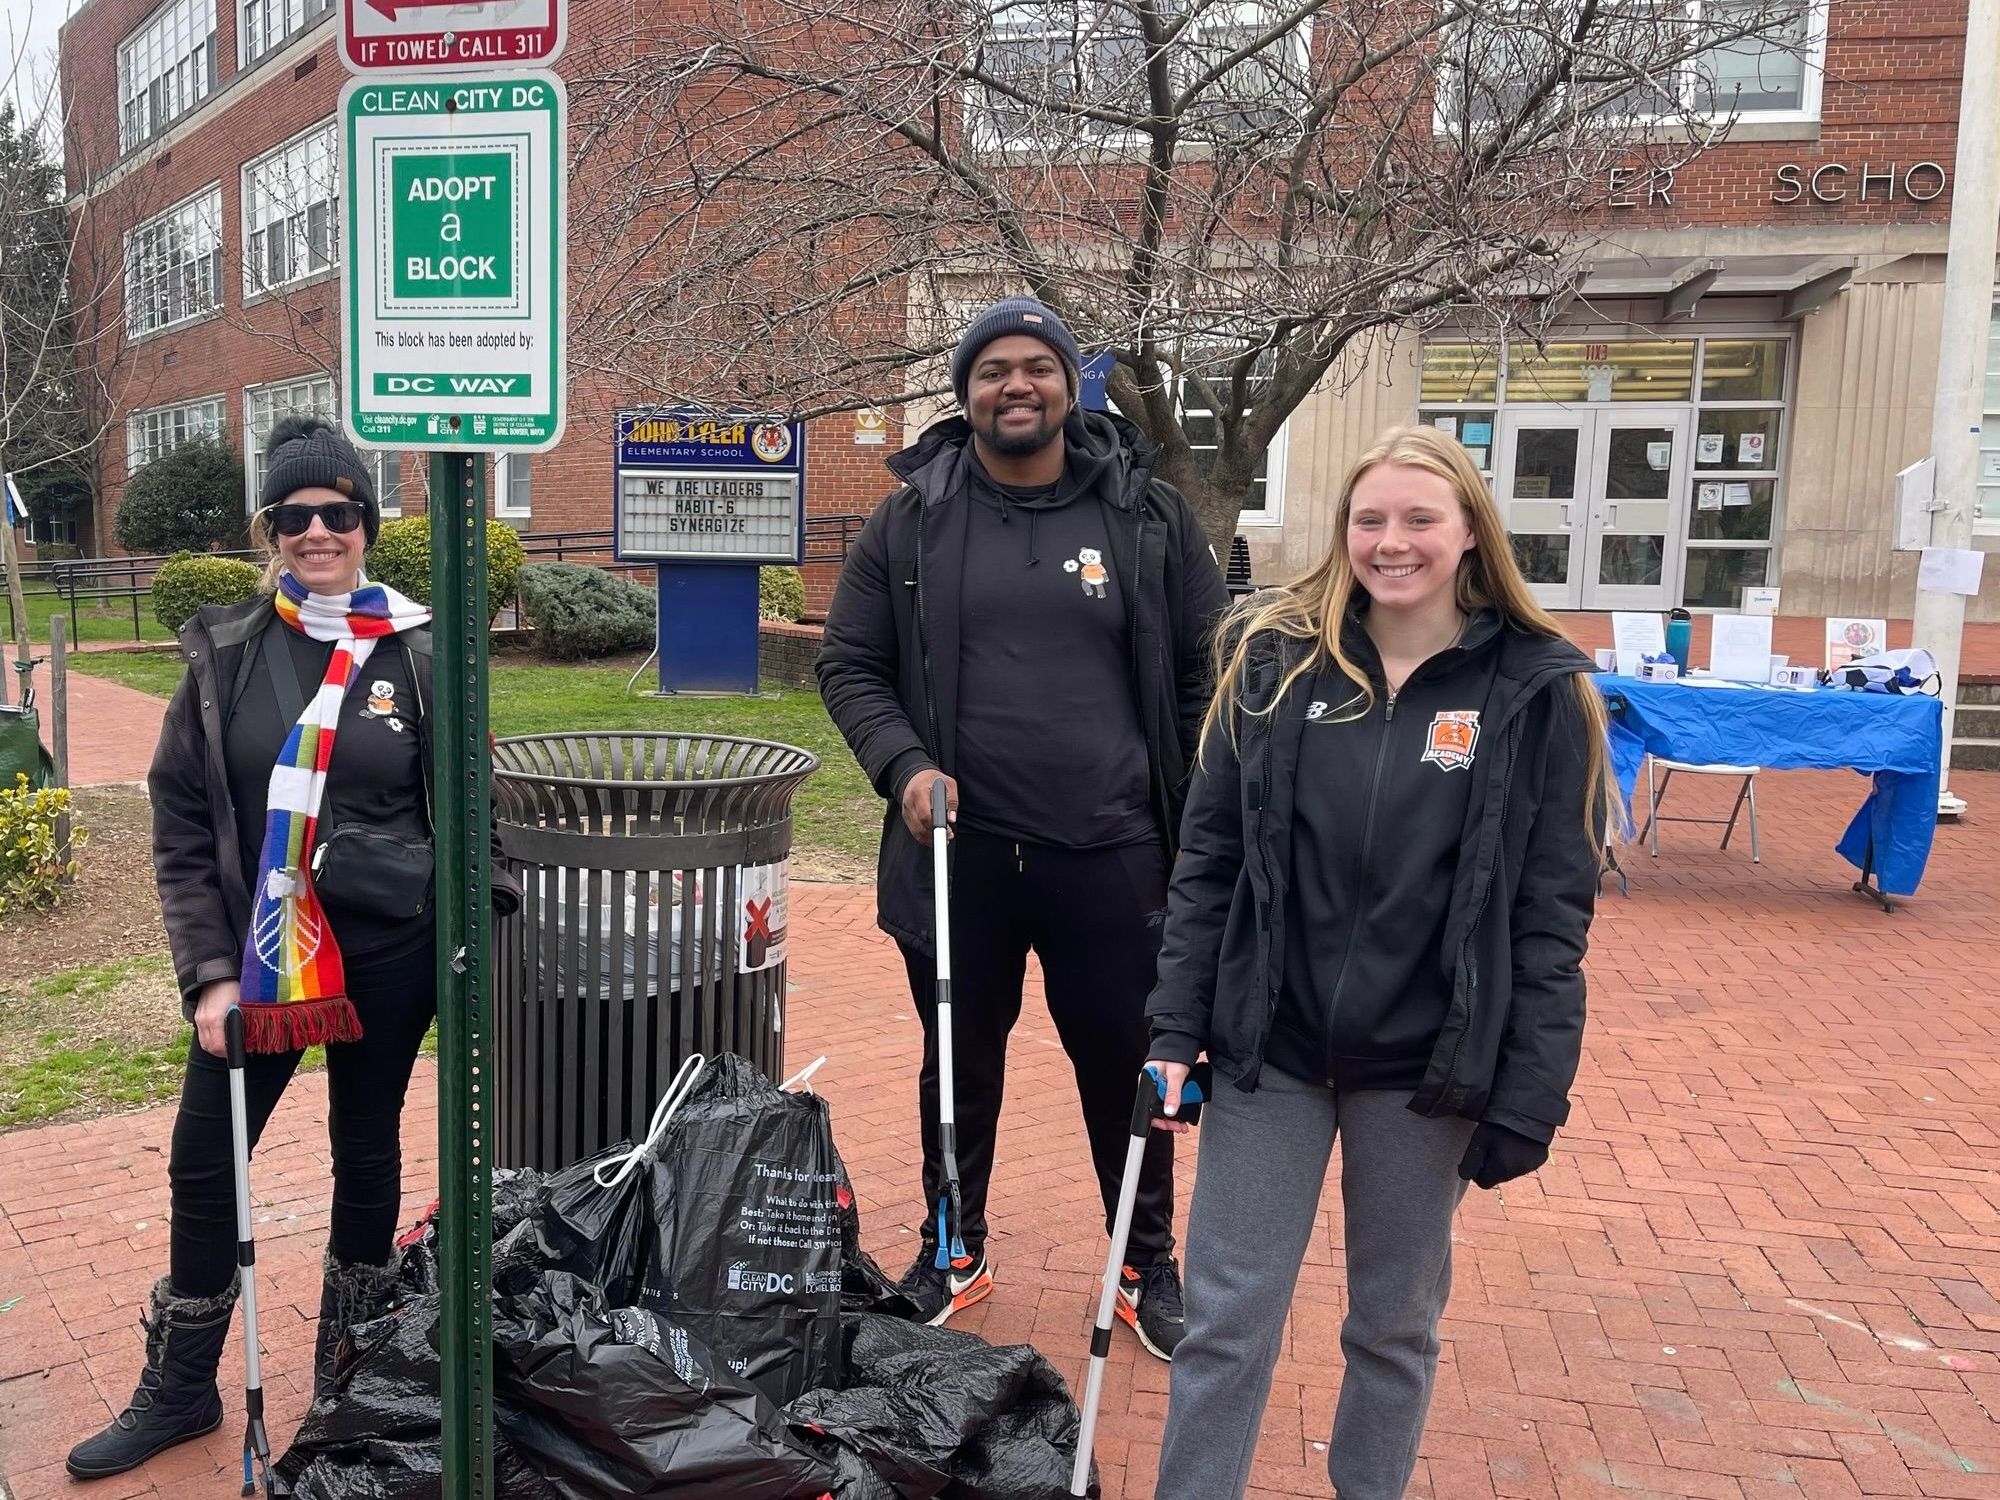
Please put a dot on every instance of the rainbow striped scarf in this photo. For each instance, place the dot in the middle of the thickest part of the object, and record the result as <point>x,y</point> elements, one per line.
<point>294,985</point>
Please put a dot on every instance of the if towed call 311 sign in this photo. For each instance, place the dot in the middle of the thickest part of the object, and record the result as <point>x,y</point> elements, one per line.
<point>454,261</point>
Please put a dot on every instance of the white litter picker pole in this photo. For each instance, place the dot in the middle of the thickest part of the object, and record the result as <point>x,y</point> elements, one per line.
<point>1968,313</point>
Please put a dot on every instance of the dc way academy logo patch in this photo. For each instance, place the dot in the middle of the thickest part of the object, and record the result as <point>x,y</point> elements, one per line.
<point>1453,735</point>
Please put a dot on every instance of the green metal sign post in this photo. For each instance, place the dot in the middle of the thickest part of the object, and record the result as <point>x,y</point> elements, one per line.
<point>462,778</point>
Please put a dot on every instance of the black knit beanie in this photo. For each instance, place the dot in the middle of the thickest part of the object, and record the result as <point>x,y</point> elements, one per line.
<point>308,451</point>
<point>1014,315</point>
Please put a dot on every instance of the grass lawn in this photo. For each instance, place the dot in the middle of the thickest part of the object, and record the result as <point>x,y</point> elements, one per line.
<point>110,622</point>
<point>837,815</point>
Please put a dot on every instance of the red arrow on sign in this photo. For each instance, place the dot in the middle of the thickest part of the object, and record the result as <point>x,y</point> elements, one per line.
<point>390,7</point>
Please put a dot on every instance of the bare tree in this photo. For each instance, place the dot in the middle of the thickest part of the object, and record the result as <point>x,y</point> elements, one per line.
<point>60,315</point>
<point>798,201</point>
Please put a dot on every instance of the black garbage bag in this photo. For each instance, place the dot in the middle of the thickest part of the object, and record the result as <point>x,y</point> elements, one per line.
<point>730,1226</point>
<point>516,1193</point>
<point>378,1437</point>
<point>624,1404</point>
<point>935,1412</point>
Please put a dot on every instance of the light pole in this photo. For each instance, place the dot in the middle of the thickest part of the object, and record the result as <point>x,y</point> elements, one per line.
<point>1968,310</point>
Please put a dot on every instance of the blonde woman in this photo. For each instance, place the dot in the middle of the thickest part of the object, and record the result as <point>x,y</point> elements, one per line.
<point>1375,932</point>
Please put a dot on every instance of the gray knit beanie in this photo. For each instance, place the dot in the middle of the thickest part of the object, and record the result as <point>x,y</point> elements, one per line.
<point>1014,315</point>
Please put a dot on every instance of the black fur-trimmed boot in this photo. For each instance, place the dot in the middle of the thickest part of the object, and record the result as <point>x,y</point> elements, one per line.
<point>350,1294</point>
<point>176,1398</point>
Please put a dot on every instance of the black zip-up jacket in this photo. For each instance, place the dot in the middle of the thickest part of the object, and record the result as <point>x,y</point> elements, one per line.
<point>204,889</point>
<point>888,668</point>
<point>1516,920</point>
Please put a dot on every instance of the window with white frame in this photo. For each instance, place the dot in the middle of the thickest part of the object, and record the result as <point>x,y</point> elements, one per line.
<point>156,433</point>
<point>1265,504</point>
<point>289,217</point>
<point>1986,505</point>
<point>513,487</point>
<point>265,406</point>
<point>263,25</point>
<point>173,265</point>
<point>1052,59</point>
<point>165,68</point>
<point>1765,62</point>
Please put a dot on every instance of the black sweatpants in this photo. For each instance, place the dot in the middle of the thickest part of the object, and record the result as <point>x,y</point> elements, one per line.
<point>1093,917</point>
<point>366,1081</point>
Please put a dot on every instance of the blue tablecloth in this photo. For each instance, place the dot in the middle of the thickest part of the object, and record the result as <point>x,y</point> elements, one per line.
<point>1896,740</point>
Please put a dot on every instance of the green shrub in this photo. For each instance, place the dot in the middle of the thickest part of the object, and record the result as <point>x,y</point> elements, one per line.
<point>185,583</point>
<point>579,612</point>
<point>32,867</point>
<point>189,500</point>
<point>401,558</point>
<point>781,594</point>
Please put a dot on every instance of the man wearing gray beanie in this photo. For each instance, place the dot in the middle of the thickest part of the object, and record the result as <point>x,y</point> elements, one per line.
<point>1027,620</point>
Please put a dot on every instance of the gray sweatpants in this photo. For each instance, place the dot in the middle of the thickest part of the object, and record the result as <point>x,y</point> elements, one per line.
<point>1264,1158</point>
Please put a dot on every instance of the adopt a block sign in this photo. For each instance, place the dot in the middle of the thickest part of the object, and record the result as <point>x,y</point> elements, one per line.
<point>454,269</point>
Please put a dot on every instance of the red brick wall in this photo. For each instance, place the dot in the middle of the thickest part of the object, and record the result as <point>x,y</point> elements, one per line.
<point>1890,96</point>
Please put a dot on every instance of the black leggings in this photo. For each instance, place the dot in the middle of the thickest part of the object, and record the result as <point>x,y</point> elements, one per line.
<point>366,1081</point>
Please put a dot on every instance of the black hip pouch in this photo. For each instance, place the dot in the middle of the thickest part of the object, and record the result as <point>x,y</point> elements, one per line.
<point>371,873</point>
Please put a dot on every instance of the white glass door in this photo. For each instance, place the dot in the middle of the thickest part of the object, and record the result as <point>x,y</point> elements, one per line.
<point>1543,464</point>
<point>1637,515</point>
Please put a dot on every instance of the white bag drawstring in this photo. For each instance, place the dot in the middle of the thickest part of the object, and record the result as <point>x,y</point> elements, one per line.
<point>676,1095</point>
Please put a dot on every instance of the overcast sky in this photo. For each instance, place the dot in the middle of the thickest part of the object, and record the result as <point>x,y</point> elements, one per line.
<point>33,22</point>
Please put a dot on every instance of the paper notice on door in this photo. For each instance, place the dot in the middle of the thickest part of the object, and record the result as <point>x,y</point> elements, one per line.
<point>1750,451</point>
<point>1741,651</point>
<point>1531,486</point>
<point>1950,570</point>
<point>1708,449</point>
<point>1448,426</point>
<point>1708,496</point>
<point>1635,635</point>
<point>1659,455</point>
<point>1477,434</point>
<point>1478,457</point>
<point>1736,494</point>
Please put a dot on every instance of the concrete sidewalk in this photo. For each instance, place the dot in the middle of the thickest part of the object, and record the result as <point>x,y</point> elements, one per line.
<point>1764,1263</point>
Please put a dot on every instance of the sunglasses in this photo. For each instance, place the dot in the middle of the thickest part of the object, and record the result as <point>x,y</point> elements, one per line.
<point>338,516</point>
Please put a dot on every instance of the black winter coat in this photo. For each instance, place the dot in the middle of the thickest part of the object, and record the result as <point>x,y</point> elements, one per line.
<point>888,668</point>
<point>1515,929</point>
<point>204,889</point>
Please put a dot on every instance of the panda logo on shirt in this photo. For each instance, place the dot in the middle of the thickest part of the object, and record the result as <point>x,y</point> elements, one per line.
<point>1089,562</point>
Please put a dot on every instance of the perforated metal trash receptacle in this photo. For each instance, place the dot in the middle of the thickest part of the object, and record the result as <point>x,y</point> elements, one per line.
<point>654,903</point>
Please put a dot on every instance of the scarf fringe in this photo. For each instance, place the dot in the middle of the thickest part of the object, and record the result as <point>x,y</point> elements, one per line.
<point>300,1024</point>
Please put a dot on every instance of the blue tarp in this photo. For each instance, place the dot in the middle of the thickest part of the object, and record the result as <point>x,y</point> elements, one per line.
<point>1899,741</point>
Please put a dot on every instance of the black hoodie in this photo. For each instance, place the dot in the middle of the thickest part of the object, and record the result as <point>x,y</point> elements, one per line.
<point>891,663</point>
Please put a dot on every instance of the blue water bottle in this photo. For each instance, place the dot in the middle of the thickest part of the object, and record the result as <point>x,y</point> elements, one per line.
<point>1680,634</point>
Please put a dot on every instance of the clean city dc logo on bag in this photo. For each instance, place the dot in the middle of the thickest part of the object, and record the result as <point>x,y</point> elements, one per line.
<point>1453,735</point>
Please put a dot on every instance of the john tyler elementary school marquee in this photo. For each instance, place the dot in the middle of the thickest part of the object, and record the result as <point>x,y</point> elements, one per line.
<point>455,261</point>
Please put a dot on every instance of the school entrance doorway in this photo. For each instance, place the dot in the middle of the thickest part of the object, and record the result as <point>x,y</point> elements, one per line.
<point>1596,501</point>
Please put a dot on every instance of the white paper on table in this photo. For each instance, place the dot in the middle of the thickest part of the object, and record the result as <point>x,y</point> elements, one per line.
<point>1659,455</point>
<point>1708,496</point>
<point>1847,639</point>
<point>1634,635</point>
<point>1741,648</point>
<point>1708,448</point>
<point>1736,494</point>
<point>1448,426</point>
<point>1750,450</point>
<point>1950,570</point>
<point>1760,601</point>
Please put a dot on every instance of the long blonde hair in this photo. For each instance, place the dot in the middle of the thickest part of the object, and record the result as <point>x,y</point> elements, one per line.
<point>1314,606</point>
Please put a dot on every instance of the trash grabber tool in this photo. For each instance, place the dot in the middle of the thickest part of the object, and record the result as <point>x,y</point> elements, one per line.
<point>951,1253</point>
<point>256,1443</point>
<point>1148,1105</point>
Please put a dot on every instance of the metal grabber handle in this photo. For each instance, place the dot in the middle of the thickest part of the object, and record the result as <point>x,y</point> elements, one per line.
<point>951,1211</point>
<point>256,1442</point>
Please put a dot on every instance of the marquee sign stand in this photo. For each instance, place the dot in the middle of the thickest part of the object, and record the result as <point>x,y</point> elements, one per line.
<point>710,499</point>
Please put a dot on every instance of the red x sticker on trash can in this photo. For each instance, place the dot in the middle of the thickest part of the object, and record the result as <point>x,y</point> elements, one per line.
<point>762,916</point>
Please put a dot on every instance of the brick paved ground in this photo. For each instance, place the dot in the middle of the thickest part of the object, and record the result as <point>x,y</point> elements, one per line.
<point>112,728</point>
<point>1764,1263</point>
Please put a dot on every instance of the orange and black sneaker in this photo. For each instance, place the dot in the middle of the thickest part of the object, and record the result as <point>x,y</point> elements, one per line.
<point>938,1294</point>
<point>1149,1301</point>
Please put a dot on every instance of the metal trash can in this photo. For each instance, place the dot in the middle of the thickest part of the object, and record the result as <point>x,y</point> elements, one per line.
<point>653,925</point>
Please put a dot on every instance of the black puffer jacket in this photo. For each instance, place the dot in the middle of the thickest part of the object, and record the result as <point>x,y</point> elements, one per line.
<point>888,669</point>
<point>1515,929</point>
<point>204,889</point>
